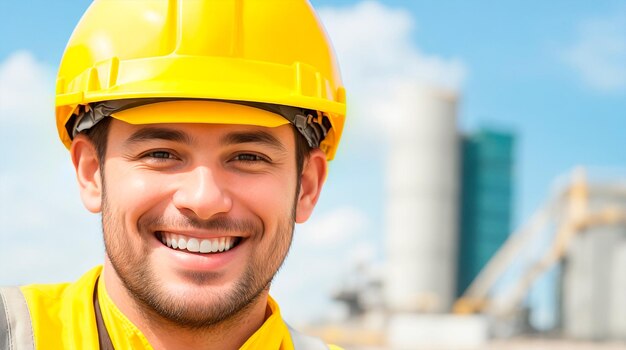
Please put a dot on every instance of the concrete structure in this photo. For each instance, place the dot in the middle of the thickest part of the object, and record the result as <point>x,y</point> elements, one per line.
<point>617,316</point>
<point>593,289</point>
<point>432,332</point>
<point>421,217</point>
<point>594,292</point>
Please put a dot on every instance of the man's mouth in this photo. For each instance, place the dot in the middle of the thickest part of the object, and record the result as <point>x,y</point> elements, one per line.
<point>198,245</point>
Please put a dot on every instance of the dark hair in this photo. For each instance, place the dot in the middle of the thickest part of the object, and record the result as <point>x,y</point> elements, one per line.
<point>303,150</point>
<point>98,135</point>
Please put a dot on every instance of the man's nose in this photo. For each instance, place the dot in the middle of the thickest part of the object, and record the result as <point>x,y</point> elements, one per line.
<point>202,193</point>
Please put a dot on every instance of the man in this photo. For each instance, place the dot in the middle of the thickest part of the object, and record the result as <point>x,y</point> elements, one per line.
<point>200,130</point>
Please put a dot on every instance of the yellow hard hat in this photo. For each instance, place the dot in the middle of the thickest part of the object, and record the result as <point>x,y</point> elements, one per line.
<point>269,54</point>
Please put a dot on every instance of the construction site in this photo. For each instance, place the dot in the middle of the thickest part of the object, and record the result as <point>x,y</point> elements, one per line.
<point>457,275</point>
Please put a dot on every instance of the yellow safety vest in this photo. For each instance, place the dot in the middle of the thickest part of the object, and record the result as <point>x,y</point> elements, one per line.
<point>61,316</point>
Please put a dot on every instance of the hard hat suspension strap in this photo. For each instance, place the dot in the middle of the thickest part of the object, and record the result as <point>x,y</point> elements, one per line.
<point>313,125</point>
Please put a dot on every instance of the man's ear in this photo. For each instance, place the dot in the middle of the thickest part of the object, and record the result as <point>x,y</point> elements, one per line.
<point>313,176</point>
<point>87,165</point>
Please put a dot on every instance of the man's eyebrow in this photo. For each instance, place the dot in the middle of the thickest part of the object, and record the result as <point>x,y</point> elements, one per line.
<point>157,133</point>
<point>260,137</point>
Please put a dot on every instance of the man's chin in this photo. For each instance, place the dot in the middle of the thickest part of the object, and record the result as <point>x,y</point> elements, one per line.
<point>195,280</point>
<point>191,305</point>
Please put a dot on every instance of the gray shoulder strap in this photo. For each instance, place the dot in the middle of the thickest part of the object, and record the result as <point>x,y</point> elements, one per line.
<point>305,342</point>
<point>16,331</point>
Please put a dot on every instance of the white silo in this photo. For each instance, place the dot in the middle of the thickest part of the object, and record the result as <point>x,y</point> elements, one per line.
<point>422,200</point>
<point>593,289</point>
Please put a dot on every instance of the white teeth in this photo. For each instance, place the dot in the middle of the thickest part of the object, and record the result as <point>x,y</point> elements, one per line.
<point>195,245</point>
<point>205,246</point>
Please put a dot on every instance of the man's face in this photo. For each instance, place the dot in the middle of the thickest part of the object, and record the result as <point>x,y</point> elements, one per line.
<point>197,218</point>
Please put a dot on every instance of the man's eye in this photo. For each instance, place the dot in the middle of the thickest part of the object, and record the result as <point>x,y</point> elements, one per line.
<point>248,157</point>
<point>160,155</point>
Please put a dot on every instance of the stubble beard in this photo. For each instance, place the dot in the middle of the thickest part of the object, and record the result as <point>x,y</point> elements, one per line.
<point>191,311</point>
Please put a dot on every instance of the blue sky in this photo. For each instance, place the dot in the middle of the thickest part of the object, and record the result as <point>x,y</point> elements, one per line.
<point>554,72</point>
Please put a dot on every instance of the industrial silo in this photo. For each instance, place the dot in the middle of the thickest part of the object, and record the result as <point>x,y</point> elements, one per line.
<point>593,284</point>
<point>422,201</point>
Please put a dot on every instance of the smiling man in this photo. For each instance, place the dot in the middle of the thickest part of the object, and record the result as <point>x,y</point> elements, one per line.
<point>201,131</point>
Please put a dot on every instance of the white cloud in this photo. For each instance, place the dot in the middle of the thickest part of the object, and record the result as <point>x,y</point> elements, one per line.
<point>376,52</point>
<point>599,55</point>
<point>26,90</point>
<point>362,253</point>
<point>46,234</point>
<point>334,228</point>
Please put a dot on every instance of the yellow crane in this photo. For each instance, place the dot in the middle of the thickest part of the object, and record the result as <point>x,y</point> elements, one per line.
<point>572,213</point>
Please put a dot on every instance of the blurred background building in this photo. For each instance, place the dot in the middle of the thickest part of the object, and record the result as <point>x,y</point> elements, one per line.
<point>422,206</point>
<point>453,265</point>
<point>486,200</point>
<point>593,278</point>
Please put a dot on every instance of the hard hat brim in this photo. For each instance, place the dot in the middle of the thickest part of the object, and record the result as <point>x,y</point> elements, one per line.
<point>199,111</point>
